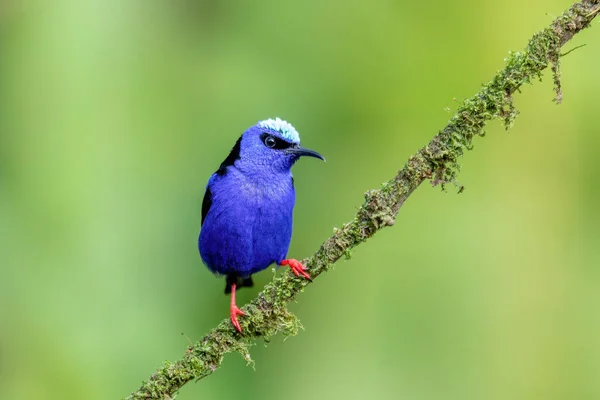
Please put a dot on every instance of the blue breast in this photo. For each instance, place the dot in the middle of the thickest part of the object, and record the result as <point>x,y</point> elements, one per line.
<point>248,225</point>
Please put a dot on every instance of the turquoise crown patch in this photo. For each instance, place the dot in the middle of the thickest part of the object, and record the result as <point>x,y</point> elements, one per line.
<point>287,131</point>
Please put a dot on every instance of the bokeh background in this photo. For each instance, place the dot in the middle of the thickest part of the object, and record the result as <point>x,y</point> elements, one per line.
<point>113,114</point>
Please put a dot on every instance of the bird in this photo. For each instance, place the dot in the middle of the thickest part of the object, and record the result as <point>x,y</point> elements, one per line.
<point>247,209</point>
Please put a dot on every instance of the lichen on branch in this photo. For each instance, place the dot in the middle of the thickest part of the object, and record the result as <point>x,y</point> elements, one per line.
<point>438,162</point>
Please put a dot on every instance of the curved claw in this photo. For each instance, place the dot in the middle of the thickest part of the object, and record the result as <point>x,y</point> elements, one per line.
<point>234,311</point>
<point>297,268</point>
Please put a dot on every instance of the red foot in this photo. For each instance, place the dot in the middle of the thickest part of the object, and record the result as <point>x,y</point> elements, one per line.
<point>297,268</point>
<point>234,311</point>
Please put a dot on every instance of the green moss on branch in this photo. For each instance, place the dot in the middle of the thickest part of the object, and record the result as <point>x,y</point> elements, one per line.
<point>268,315</point>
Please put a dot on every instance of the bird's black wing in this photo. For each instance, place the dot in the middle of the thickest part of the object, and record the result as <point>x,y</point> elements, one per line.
<point>234,155</point>
<point>206,203</point>
<point>231,158</point>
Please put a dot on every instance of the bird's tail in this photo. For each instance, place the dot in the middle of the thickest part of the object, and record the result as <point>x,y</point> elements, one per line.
<point>239,282</point>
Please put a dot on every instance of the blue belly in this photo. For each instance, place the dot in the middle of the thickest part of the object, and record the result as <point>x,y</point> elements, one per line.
<point>245,234</point>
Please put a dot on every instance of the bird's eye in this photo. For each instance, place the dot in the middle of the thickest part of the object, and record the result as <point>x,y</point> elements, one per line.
<point>270,141</point>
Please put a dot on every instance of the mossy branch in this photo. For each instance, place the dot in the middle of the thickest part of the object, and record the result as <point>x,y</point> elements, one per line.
<point>268,315</point>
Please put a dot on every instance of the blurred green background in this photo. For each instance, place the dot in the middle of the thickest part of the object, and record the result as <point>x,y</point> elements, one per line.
<point>114,114</point>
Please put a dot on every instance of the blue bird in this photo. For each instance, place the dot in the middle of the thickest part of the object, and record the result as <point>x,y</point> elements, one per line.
<point>248,205</point>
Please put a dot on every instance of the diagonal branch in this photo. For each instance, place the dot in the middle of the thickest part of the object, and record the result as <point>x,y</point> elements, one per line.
<point>267,315</point>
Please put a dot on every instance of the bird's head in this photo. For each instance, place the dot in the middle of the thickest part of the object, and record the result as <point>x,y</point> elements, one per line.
<point>272,144</point>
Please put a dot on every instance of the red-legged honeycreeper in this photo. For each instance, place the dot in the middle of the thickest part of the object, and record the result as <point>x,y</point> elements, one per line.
<point>248,206</point>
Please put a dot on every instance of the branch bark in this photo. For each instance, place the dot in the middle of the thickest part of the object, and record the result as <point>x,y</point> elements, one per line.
<point>268,315</point>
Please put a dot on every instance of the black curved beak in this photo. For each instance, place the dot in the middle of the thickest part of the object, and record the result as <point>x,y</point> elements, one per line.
<point>301,151</point>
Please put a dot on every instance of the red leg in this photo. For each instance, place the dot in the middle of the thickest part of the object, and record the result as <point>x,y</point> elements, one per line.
<point>234,311</point>
<point>297,268</point>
